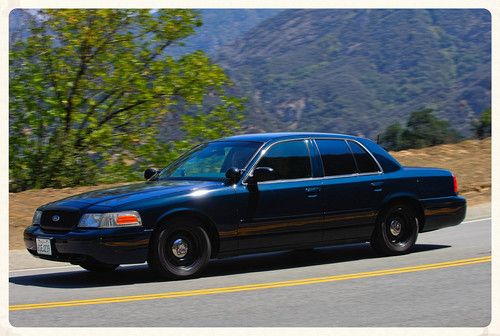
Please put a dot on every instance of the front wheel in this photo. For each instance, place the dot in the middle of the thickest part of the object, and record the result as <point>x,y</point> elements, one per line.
<point>396,231</point>
<point>180,249</point>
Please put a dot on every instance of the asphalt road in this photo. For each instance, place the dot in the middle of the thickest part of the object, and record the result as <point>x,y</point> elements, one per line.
<point>445,282</point>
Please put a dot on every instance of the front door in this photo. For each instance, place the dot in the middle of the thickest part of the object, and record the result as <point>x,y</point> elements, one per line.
<point>287,210</point>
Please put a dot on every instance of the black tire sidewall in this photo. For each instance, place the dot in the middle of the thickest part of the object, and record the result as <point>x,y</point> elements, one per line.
<point>160,260</point>
<point>383,242</point>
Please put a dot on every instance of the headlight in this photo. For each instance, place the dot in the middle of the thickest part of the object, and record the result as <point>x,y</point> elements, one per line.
<point>37,218</point>
<point>110,219</point>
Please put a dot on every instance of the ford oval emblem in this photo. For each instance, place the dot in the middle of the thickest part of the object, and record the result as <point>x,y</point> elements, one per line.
<point>56,218</point>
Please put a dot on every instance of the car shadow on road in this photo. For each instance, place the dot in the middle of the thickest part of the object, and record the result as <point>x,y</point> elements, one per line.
<point>127,275</point>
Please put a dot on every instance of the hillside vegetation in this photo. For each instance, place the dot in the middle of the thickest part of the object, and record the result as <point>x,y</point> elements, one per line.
<point>92,112</point>
<point>469,160</point>
<point>357,71</point>
<point>222,26</point>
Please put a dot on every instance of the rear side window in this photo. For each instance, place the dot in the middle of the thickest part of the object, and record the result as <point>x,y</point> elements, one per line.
<point>290,160</point>
<point>365,162</point>
<point>337,157</point>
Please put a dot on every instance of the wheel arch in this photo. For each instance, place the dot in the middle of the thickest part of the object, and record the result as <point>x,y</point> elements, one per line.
<point>406,198</point>
<point>207,223</point>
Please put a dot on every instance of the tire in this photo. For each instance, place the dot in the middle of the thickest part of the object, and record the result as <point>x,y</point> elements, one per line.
<point>396,230</point>
<point>180,249</point>
<point>97,266</point>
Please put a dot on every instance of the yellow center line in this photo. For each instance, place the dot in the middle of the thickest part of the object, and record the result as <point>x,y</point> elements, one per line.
<point>252,287</point>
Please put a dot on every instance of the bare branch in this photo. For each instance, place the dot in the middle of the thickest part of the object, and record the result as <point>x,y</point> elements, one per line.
<point>113,114</point>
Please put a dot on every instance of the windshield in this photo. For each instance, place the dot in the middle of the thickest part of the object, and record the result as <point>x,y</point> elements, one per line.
<point>211,161</point>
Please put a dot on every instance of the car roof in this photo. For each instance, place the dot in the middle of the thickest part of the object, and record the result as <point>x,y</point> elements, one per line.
<point>387,162</point>
<point>265,137</point>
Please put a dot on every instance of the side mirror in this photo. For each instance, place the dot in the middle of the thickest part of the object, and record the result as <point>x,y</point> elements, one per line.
<point>149,173</point>
<point>233,174</point>
<point>261,174</point>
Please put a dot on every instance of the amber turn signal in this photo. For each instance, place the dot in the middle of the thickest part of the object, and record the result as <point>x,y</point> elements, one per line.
<point>126,220</point>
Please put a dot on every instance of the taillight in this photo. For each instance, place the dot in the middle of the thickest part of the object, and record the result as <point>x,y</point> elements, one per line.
<point>455,184</point>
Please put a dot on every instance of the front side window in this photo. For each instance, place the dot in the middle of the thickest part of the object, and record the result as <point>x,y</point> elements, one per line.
<point>336,157</point>
<point>211,161</point>
<point>365,162</point>
<point>289,160</point>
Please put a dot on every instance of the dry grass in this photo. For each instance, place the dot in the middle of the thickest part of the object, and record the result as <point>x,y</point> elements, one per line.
<point>469,160</point>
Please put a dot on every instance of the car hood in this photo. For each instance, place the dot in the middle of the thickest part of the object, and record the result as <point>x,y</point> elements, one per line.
<point>112,197</point>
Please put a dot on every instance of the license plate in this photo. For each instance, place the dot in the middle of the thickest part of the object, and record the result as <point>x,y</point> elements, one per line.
<point>43,246</point>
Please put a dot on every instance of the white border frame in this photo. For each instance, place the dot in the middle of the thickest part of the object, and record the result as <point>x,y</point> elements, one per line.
<point>6,6</point>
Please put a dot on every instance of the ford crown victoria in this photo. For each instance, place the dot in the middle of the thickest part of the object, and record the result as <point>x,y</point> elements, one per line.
<point>245,194</point>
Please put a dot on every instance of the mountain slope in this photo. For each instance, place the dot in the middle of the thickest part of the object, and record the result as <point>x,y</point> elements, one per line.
<point>222,26</point>
<point>356,71</point>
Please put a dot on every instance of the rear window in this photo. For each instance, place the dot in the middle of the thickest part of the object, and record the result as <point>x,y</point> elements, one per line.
<point>336,157</point>
<point>364,161</point>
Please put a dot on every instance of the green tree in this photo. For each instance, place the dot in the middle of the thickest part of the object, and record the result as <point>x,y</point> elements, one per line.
<point>392,137</point>
<point>425,129</point>
<point>482,127</point>
<point>89,87</point>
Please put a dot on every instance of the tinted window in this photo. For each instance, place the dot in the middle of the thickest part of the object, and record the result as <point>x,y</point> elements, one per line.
<point>290,160</point>
<point>337,157</point>
<point>365,162</point>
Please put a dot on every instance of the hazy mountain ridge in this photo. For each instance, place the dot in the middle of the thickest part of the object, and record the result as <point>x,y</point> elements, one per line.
<point>222,26</point>
<point>350,71</point>
<point>356,71</point>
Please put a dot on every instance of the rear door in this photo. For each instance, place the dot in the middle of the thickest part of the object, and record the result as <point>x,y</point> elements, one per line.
<point>350,189</point>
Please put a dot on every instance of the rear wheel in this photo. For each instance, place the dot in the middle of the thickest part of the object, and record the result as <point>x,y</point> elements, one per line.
<point>396,231</point>
<point>97,266</point>
<point>180,249</point>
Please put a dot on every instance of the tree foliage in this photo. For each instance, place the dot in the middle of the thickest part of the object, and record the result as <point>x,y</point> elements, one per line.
<point>392,138</point>
<point>482,126</point>
<point>423,129</point>
<point>89,87</point>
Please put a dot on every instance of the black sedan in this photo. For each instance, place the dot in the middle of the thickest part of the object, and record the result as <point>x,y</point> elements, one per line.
<point>245,194</point>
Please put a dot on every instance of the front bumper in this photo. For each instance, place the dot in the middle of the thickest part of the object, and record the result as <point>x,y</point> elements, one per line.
<point>443,212</point>
<point>111,246</point>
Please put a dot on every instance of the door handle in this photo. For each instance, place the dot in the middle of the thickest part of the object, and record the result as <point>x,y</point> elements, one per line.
<point>377,185</point>
<point>312,189</point>
<point>312,192</point>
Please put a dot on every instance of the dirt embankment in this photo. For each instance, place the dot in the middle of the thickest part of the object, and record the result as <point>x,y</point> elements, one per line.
<point>470,161</point>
